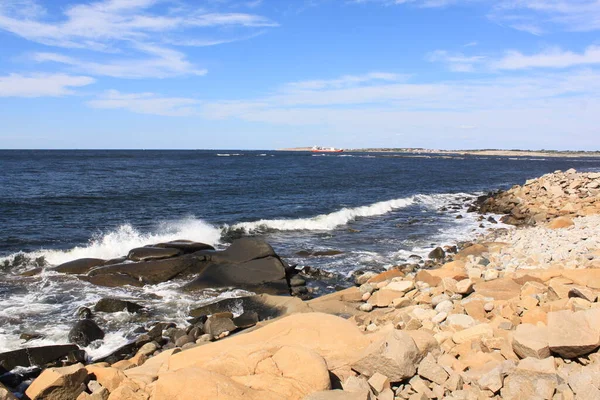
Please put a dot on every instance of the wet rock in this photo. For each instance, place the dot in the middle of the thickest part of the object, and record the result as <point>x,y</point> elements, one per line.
<point>85,332</point>
<point>30,336</point>
<point>80,266</point>
<point>437,254</point>
<point>183,340</point>
<point>112,305</point>
<point>152,253</point>
<point>247,320</point>
<point>217,324</point>
<point>297,281</point>
<point>186,246</point>
<point>148,272</point>
<point>32,356</point>
<point>112,280</point>
<point>59,383</point>
<point>319,253</point>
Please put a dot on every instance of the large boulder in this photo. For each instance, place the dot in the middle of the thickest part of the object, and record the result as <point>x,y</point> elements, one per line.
<point>531,341</point>
<point>152,253</point>
<point>85,332</point>
<point>286,372</point>
<point>244,249</point>
<point>80,266</point>
<point>148,272</point>
<point>186,246</point>
<point>34,356</point>
<point>59,383</point>
<point>396,356</point>
<point>112,280</point>
<point>265,275</point>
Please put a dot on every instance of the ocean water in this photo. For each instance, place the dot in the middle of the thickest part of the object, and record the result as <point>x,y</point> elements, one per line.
<point>376,209</point>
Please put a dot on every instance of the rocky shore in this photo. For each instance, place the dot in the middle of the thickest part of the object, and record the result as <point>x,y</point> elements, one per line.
<point>513,315</point>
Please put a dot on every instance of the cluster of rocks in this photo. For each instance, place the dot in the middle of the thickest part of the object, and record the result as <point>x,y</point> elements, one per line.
<point>540,200</point>
<point>248,263</point>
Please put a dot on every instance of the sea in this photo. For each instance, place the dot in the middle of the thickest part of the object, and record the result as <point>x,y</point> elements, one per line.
<point>354,210</point>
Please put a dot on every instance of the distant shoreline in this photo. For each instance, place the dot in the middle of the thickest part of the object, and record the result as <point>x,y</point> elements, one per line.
<point>483,152</point>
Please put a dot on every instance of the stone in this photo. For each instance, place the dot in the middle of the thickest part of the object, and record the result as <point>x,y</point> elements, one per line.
<point>383,298</point>
<point>460,320</point>
<point>34,356</point>
<point>148,348</point>
<point>394,356</point>
<point>246,320</point>
<point>435,300</point>
<point>186,246</point>
<point>583,293</point>
<point>108,377</point>
<point>85,332</point>
<point>379,382</point>
<point>183,340</point>
<point>152,253</point>
<point>445,306</point>
<point>531,379</point>
<point>439,318</point>
<point>437,254</point>
<point>80,266</point>
<point>64,383</point>
<point>490,274</point>
<point>531,341</point>
<point>280,373</point>
<point>338,395</point>
<point>574,334</point>
<point>430,370</point>
<point>464,287</point>
<point>366,307</point>
<point>561,223</point>
<point>217,324</point>
<point>400,286</point>
<point>476,332</point>
<point>112,305</point>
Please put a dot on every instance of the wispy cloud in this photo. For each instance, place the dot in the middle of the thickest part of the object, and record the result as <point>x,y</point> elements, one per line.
<point>146,103</point>
<point>345,81</point>
<point>40,85</point>
<point>552,58</point>
<point>456,62</point>
<point>127,29</point>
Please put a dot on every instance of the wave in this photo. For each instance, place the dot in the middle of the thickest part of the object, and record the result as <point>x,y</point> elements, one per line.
<point>326,222</point>
<point>118,242</point>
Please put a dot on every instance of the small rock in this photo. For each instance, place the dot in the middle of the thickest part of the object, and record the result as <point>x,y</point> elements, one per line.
<point>366,307</point>
<point>379,382</point>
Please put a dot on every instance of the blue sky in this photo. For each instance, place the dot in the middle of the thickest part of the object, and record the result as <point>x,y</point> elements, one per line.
<point>252,74</point>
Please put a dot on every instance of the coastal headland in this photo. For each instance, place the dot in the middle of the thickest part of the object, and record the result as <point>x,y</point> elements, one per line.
<point>482,153</point>
<point>511,315</point>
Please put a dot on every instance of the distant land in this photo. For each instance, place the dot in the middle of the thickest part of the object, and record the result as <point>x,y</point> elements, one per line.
<point>483,152</point>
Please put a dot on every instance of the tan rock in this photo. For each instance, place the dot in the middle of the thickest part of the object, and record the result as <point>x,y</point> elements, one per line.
<point>300,372</point>
<point>583,293</point>
<point>560,223</point>
<point>64,383</point>
<point>6,394</point>
<point>386,276</point>
<point>534,316</point>
<point>379,382</point>
<point>464,287</point>
<point>400,286</point>
<point>383,298</point>
<point>499,289</point>
<point>109,377</point>
<point>430,370</point>
<point>396,356</point>
<point>531,341</point>
<point>338,395</point>
<point>476,250</point>
<point>476,332</point>
<point>531,379</point>
<point>574,334</point>
<point>425,341</point>
<point>128,393</point>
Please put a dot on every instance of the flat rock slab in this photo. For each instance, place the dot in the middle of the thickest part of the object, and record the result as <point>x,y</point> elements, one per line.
<point>152,253</point>
<point>186,246</point>
<point>148,272</point>
<point>574,334</point>
<point>80,266</point>
<point>531,341</point>
<point>33,356</point>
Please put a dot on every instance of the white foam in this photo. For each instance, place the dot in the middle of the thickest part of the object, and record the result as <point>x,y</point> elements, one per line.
<point>327,222</point>
<point>118,242</point>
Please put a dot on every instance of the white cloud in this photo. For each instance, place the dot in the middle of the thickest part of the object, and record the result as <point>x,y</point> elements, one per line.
<point>127,29</point>
<point>40,85</point>
<point>552,58</point>
<point>345,81</point>
<point>457,62</point>
<point>146,103</point>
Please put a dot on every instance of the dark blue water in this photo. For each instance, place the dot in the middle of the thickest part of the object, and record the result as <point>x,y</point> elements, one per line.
<point>375,208</point>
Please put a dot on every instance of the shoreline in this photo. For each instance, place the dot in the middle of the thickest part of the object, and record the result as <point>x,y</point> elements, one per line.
<point>478,321</point>
<point>490,152</point>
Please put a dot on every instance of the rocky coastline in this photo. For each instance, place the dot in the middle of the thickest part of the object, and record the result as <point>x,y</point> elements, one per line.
<point>512,315</point>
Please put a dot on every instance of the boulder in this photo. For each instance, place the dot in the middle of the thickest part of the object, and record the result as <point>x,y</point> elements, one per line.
<point>574,334</point>
<point>437,254</point>
<point>395,355</point>
<point>186,246</point>
<point>111,305</point>
<point>264,305</point>
<point>80,266</point>
<point>531,341</point>
<point>264,275</point>
<point>430,370</point>
<point>217,324</point>
<point>64,383</point>
<point>148,272</point>
<point>112,280</point>
<point>152,253</point>
<point>85,332</point>
<point>33,356</point>
<point>243,250</point>
<point>338,395</point>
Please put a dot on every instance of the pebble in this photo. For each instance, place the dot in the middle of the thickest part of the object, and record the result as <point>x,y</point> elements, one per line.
<point>439,318</point>
<point>366,307</point>
<point>488,307</point>
<point>366,296</point>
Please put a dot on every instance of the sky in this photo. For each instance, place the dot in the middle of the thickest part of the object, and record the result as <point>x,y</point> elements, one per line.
<point>268,74</point>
